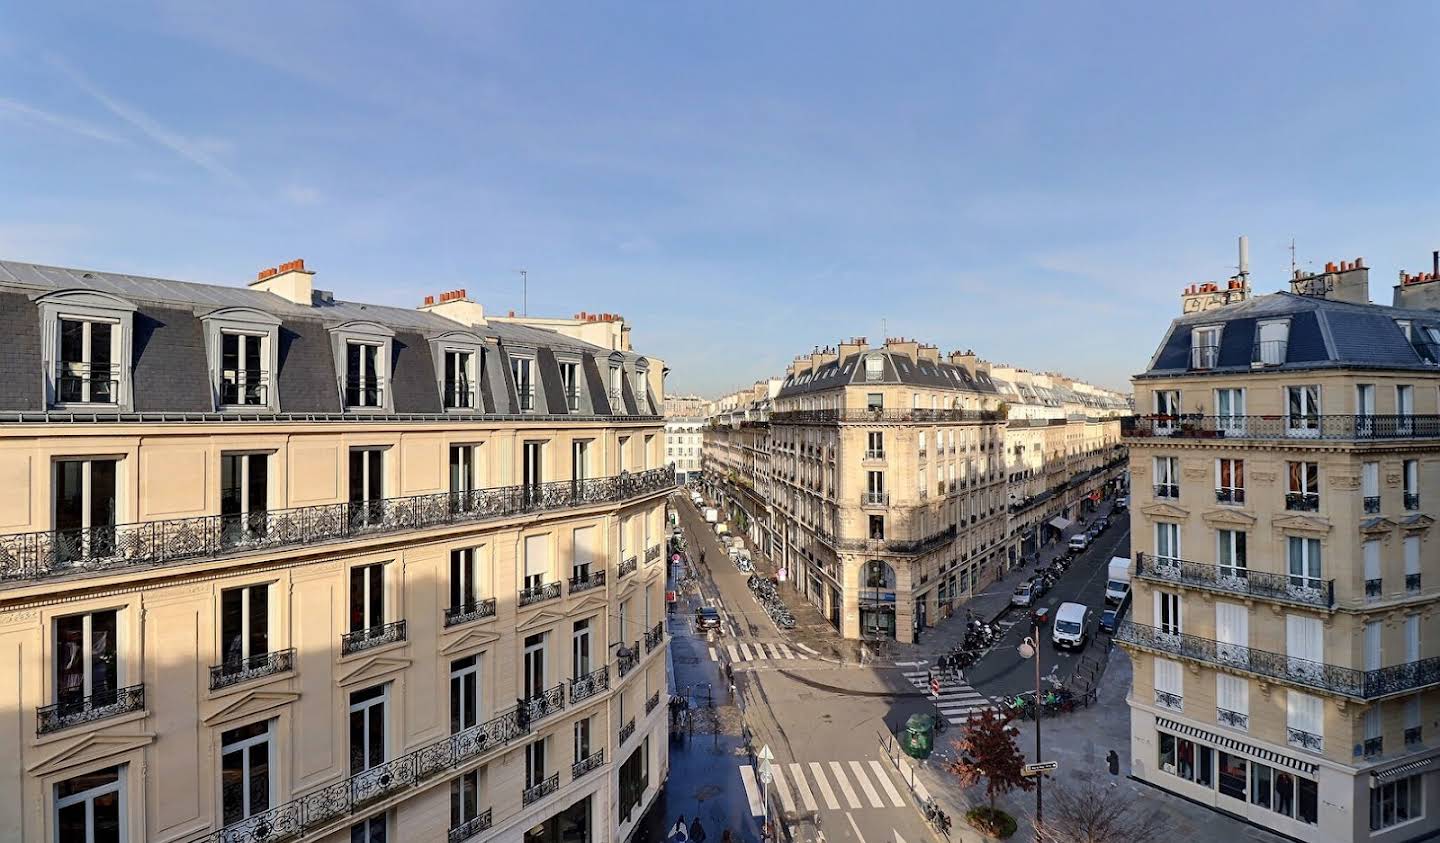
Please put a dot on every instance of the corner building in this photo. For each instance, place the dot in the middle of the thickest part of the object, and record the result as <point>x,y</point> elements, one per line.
<point>1285,570</point>
<point>282,567</point>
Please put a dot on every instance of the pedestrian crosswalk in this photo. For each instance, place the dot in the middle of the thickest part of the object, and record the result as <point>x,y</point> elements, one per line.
<point>957,699</point>
<point>797,788</point>
<point>755,651</point>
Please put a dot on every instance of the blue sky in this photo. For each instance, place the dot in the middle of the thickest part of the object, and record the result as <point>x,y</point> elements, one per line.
<point>742,180</point>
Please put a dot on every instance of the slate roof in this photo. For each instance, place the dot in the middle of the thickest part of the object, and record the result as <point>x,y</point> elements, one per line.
<point>1323,333</point>
<point>898,369</point>
<point>169,367</point>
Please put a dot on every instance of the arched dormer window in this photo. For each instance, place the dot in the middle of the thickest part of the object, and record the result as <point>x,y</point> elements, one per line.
<point>86,341</point>
<point>459,366</point>
<point>242,347</point>
<point>362,366</point>
<point>642,386</point>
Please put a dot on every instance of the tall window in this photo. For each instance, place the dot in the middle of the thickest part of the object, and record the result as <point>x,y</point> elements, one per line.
<point>464,472</point>
<point>464,694</point>
<point>616,395</point>
<point>1398,801</point>
<point>245,784</point>
<point>523,369</point>
<point>624,453</point>
<point>1370,554</point>
<point>1412,484</point>
<point>1167,477</point>
<point>88,372</point>
<point>1305,646</point>
<point>1167,541</point>
<point>367,485</point>
<point>1230,481</point>
<point>1167,407</point>
<point>367,597</point>
<point>1302,411</point>
<point>1167,612</point>
<point>570,383</point>
<point>537,560</point>
<point>372,830</point>
<point>582,553</point>
<point>874,368</point>
<point>1412,563</point>
<point>1205,347</point>
<point>244,625</point>
<point>875,401</point>
<point>534,676</point>
<point>465,584</point>
<point>1304,556</point>
<point>875,486</point>
<point>1365,399</point>
<point>532,461</point>
<point>244,495</point>
<point>459,380</point>
<point>87,659</point>
<point>580,459</point>
<point>1370,486</point>
<point>1271,341</point>
<point>86,506</point>
<point>1305,720</point>
<point>242,370</point>
<point>535,762</point>
<point>363,382</point>
<point>1169,684</point>
<point>1232,700</point>
<point>1304,486</point>
<point>582,738</point>
<point>367,728</point>
<point>1230,410</point>
<point>580,648</point>
<point>1230,553</point>
<point>90,808</point>
<point>464,798</point>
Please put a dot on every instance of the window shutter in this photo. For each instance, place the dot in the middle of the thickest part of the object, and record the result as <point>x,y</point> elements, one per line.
<point>1412,555</point>
<point>1168,676</point>
<point>1370,479</point>
<point>1232,624</point>
<point>584,545</point>
<point>1304,712</point>
<point>1304,638</point>
<point>537,555</point>
<point>1373,630</point>
<point>1232,693</point>
<point>1372,560</point>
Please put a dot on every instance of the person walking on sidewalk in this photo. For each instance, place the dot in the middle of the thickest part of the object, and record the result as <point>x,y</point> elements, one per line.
<point>697,831</point>
<point>679,833</point>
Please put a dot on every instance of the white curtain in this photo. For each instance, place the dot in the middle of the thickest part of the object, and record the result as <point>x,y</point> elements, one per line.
<point>584,551</point>
<point>1412,555</point>
<point>1168,677</point>
<point>1304,638</point>
<point>1373,630</point>
<point>1412,638</point>
<point>1304,712</point>
<point>1232,693</point>
<point>1372,560</point>
<point>537,555</point>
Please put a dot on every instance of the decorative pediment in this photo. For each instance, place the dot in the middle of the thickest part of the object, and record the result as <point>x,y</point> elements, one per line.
<point>590,603</point>
<point>96,746</point>
<point>371,670</point>
<point>544,617</point>
<point>472,640</point>
<point>1301,524</point>
<point>1377,526</point>
<point>627,589</point>
<point>1165,510</point>
<point>246,705</point>
<point>1228,518</point>
<point>1417,523</point>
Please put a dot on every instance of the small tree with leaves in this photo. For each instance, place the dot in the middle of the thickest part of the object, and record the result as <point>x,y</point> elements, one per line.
<point>986,752</point>
<point>1092,813</point>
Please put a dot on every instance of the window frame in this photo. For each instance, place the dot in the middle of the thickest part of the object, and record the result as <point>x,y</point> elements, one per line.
<point>459,342</point>
<point>86,306</point>
<point>120,787</point>
<point>365,333</point>
<point>243,746</point>
<point>244,322</point>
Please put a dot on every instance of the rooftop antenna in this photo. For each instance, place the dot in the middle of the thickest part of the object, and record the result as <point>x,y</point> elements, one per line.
<point>524,292</point>
<point>884,330</point>
<point>1293,268</point>
<point>1243,268</point>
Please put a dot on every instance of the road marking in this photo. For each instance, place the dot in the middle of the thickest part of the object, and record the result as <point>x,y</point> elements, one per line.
<point>870,792</point>
<point>806,797</point>
<point>802,657</point>
<point>811,650</point>
<point>885,782</point>
<point>783,789</point>
<point>712,655</point>
<point>784,651</point>
<point>720,603</point>
<point>745,651</point>
<point>734,656</point>
<point>824,784</point>
<point>752,791</point>
<point>844,784</point>
<point>858,835</point>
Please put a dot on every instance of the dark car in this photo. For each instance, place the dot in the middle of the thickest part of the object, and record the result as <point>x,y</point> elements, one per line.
<point>1109,621</point>
<point>707,617</point>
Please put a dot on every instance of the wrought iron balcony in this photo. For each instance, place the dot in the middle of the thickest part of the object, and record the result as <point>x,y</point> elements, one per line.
<point>545,703</point>
<point>625,732</point>
<point>472,610</point>
<point>369,639</point>
<point>1412,736</point>
<point>243,670</point>
<point>334,802</point>
<point>1372,746</point>
<point>539,593</point>
<point>1230,495</point>
<point>1304,739</point>
<point>585,765</point>
<point>1412,583</point>
<point>1233,719</point>
<point>592,683</point>
<point>1372,504</point>
<point>1333,679</point>
<point>626,567</point>
<point>1352,428</point>
<point>1374,588</point>
<point>466,830</point>
<point>652,702</point>
<point>627,658</point>
<point>864,415</point>
<point>1204,356</point>
<point>1169,491</point>
<point>1170,700</point>
<point>875,455</point>
<point>1302,501</point>
<point>584,582</point>
<point>652,553</point>
<point>74,709</point>
<point>874,498</point>
<point>654,636</point>
<point>39,555</point>
<point>1303,591</point>
<point>1412,501</point>
<point>537,792</point>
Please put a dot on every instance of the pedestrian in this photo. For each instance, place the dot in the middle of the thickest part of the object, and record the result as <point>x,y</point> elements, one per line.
<point>679,832</point>
<point>697,831</point>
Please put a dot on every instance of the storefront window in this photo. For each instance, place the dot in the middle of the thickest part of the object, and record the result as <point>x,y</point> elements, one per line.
<point>1396,802</point>
<point>1232,775</point>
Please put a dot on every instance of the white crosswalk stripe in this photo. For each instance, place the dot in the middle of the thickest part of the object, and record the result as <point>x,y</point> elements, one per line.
<point>760,651</point>
<point>818,773</point>
<point>802,787</point>
<point>844,783</point>
<point>786,800</point>
<point>865,785</point>
<point>752,791</point>
<point>824,785</point>
<point>957,700</point>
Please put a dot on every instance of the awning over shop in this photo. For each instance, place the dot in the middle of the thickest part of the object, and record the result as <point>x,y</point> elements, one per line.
<point>1413,767</point>
<point>1060,522</point>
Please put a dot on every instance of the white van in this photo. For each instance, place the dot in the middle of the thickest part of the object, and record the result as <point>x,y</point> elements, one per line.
<point>1079,541</point>
<point>1071,627</point>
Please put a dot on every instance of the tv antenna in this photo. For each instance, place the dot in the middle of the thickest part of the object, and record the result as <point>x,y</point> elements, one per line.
<point>1293,267</point>
<point>524,292</point>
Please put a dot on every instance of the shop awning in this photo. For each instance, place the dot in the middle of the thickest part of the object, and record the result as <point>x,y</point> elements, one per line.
<point>1410,769</point>
<point>1060,522</point>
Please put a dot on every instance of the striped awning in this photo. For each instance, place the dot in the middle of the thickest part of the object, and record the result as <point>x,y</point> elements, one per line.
<point>1263,754</point>
<point>1424,765</point>
<point>1060,522</point>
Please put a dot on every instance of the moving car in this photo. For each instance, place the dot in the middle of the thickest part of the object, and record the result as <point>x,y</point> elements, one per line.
<point>1071,628</point>
<point>1117,586</point>
<point>707,617</point>
<point>1122,503</point>
<point>1109,621</point>
<point>1079,541</point>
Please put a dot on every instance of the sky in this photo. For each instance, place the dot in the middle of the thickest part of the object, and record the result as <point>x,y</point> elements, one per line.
<point>742,181</point>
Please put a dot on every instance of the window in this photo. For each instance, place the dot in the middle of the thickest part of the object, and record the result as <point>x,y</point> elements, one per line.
<point>535,762</point>
<point>1303,491</point>
<point>1232,633</point>
<point>1373,631</point>
<point>1167,542</point>
<point>464,694</point>
<point>87,660</point>
<point>243,380</point>
<point>459,385</point>
<point>465,581</point>
<point>642,386</point>
<point>244,496</point>
<point>1169,688</point>
<point>1230,481</point>
<point>532,465</point>
<point>1412,563</point>
<point>537,561</point>
<point>624,453</point>
<point>1232,700</point>
<point>582,738</point>
<point>367,485</point>
<point>1412,484</point>
<point>534,666</point>
<point>367,597</point>
<point>1188,760</point>
<point>86,506</point>
<point>246,788</point>
<point>1302,411</point>
<point>1230,410</point>
<point>1230,553</point>
<point>1412,638</point>
<point>464,476</point>
<point>1167,407</point>
<point>1167,477</point>
<point>583,553</point>
<point>921,446</point>
<point>1205,347</point>
<point>523,370</point>
<point>1413,734</point>
<point>88,372</point>
<point>1270,344</point>
<point>617,404</point>
<point>1396,802</point>
<point>1304,720</point>
<point>364,386</point>
<point>1233,775</point>
<point>244,626</point>
<point>1305,647</point>
<point>372,830</point>
<point>1305,568</point>
<point>874,402</point>
<point>874,368</point>
<point>90,808</point>
<point>464,798</point>
<point>1370,486</point>
<point>580,650</point>
<point>367,728</point>
<point>570,384</point>
<point>1167,612</point>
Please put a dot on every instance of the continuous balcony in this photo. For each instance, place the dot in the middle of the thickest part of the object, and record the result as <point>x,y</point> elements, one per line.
<point>907,547</point>
<point>1231,579</point>
<point>74,709</point>
<point>862,415</point>
<point>1281,427</point>
<point>1362,685</point>
<point>53,553</point>
<point>243,670</point>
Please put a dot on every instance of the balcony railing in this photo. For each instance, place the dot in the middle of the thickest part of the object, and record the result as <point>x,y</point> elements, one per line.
<point>1412,583</point>
<point>1372,746</point>
<point>625,732</point>
<point>244,389</point>
<point>1412,501</point>
<point>51,553</point>
<point>585,765</point>
<point>1302,501</point>
<point>1169,700</point>
<point>1372,504</point>
<point>466,830</point>
<point>545,703</point>
<point>592,683</point>
<point>335,802</point>
<point>457,395</point>
<point>627,658</point>
<point>875,499</point>
<point>537,792</point>
<point>1305,740</point>
<point>539,593</point>
<point>1233,719</point>
<point>1204,356</point>
<point>905,546</point>
<point>875,454</point>
<point>472,610</point>
<point>1374,588</point>
<point>1170,491</point>
<point>864,415</point>
<point>1333,679</point>
<point>1305,591</point>
<point>626,567</point>
<point>1354,428</point>
<point>363,393</point>
<point>243,670</point>
<point>652,702</point>
<point>74,710</point>
<point>1229,495</point>
<point>654,636</point>
<point>87,383</point>
<point>587,581</point>
<point>369,639</point>
<point>1269,352</point>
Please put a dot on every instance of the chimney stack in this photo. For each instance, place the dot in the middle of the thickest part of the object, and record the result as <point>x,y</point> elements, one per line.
<point>1419,291</point>
<point>454,304</point>
<point>290,281</point>
<point>854,346</point>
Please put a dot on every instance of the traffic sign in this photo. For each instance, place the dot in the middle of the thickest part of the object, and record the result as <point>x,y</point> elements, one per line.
<point>765,756</point>
<point>934,683</point>
<point>1039,767</point>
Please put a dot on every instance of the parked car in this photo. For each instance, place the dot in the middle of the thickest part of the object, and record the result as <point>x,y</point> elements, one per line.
<point>1025,594</point>
<point>1109,621</point>
<point>1079,541</point>
<point>1071,629</point>
<point>707,617</point>
<point>1122,503</point>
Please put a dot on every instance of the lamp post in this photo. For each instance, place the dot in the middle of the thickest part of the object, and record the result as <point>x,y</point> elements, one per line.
<point>1030,649</point>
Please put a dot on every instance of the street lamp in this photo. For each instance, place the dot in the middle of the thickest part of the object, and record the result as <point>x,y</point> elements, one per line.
<point>1030,649</point>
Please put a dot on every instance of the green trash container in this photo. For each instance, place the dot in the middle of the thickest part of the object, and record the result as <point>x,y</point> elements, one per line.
<point>919,737</point>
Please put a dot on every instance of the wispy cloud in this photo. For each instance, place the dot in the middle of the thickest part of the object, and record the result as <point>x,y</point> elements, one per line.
<point>39,116</point>
<point>297,194</point>
<point>195,150</point>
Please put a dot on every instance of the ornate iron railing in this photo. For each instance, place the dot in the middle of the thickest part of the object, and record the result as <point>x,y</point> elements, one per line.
<point>863,415</point>
<point>243,670</point>
<point>545,703</point>
<point>1372,504</point>
<point>909,547</point>
<point>1232,495</point>
<point>254,391</point>
<point>627,658</point>
<point>1334,679</point>
<point>874,455</point>
<point>1374,588</point>
<point>626,567</point>
<point>369,639</point>
<point>652,702</point>
<point>1169,700</point>
<point>539,593</point>
<point>874,498</point>
<point>1167,490</point>
<point>1304,739</point>
<point>1363,427</point>
<point>471,610</point>
<point>1302,501</point>
<point>335,802</point>
<point>1412,582</point>
<point>593,579</point>
<point>1304,591</point>
<point>1233,719</point>
<point>1412,500</point>
<point>654,636</point>
<point>74,710</point>
<point>625,732</point>
<point>468,829</point>
<point>57,552</point>
<point>585,765</point>
<point>592,683</point>
<point>652,553</point>
<point>537,792</point>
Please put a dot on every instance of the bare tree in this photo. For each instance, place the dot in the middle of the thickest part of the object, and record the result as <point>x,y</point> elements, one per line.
<point>1092,813</point>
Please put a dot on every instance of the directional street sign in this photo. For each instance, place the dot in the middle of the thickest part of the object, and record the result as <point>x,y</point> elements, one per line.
<point>1039,767</point>
<point>766,757</point>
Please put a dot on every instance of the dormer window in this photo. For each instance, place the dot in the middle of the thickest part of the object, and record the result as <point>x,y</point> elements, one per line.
<point>642,386</point>
<point>86,348</point>
<point>523,368</point>
<point>1205,347</point>
<point>240,345</point>
<point>364,386</point>
<point>459,358</point>
<point>617,388</point>
<point>459,384</point>
<point>1272,340</point>
<point>243,379</point>
<point>88,373</point>
<point>570,384</point>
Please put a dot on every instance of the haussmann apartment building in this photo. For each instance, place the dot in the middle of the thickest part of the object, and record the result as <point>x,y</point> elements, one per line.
<point>1286,468</point>
<point>281,567</point>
